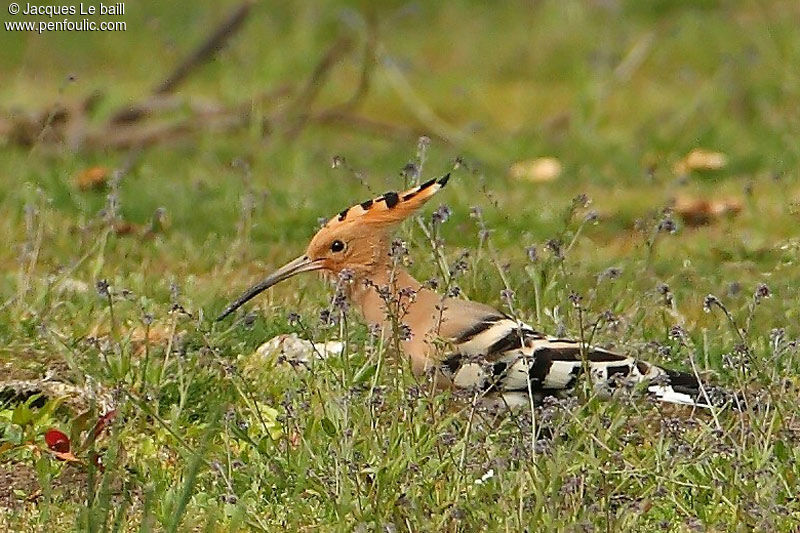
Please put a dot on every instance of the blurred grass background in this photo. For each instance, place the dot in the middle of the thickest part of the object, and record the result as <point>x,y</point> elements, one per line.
<point>618,91</point>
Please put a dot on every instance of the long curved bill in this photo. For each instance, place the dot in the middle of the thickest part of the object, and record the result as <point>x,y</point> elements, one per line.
<point>301,264</point>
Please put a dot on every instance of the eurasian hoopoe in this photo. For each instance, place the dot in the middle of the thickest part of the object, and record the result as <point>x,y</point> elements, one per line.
<point>484,349</point>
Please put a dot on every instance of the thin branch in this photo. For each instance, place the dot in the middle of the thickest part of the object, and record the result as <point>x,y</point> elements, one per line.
<point>367,69</point>
<point>302,104</point>
<point>205,51</point>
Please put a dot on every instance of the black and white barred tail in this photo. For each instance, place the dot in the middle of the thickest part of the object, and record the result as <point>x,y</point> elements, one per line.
<point>500,355</point>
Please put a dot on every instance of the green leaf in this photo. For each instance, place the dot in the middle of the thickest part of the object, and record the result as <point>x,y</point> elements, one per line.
<point>264,445</point>
<point>328,426</point>
<point>22,415</point>
<point>364,374</point>
<point>44,470</point>
<point>80,424</point>
<point>781,451</point>
<point>49,407</point>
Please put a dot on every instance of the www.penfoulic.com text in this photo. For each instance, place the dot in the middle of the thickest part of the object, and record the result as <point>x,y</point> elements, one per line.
<point>45,18</point>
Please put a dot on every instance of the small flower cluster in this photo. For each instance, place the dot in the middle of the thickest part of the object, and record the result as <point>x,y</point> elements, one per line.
<point>666,293</point>
<point>293,319</point>
<point>533,256</point>
<point>576,299</point>
<point>441,215</point>
<point>762,293</point>
<point>610,273</point>
<point>454,291</point>
<point>679,334</point>
<point>555,246</point>
<point>398,249</point>
<point>508,297</point>
<point>740,358</point>
<point>102,288</point>
<point>710,301</point>
<point>338,161</point>
<point>410,171</point>
<point>667,223</point>
<point>404,332</point>
<point>460,265</point>
<point>581,201</point>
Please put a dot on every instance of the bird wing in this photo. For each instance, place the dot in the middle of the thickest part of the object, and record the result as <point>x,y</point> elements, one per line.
<point>495,353</point>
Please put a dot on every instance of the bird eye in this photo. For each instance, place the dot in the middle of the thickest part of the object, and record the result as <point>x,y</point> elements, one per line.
<point>337,246</point>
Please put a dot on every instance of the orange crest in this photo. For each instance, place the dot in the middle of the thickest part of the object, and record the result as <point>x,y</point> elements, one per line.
<point>390,208</point>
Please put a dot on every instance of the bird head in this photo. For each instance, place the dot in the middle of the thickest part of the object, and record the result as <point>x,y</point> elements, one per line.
<point>356,239</point>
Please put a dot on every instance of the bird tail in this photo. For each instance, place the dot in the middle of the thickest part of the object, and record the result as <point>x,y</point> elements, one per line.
<point>682,388</point>
<point>505,356</point>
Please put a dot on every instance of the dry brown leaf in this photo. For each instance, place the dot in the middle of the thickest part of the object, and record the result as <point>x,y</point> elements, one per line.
<point>158,334</point>
<point>92,178</point>
<point>701,159</point>
<point>123,228</point>
<point>700,211</point>
<point>65,456</point>
<point>538,170</point>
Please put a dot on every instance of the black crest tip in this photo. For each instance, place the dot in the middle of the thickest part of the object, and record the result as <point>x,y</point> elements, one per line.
<point>443,180</point>
<point>391,199</point>
<point>427,184</point>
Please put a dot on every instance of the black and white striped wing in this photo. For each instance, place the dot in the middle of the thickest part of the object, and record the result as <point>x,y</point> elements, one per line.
<point>502,355</point>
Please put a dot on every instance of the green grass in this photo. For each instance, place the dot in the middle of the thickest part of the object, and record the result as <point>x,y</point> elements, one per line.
<point>211,436</point>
